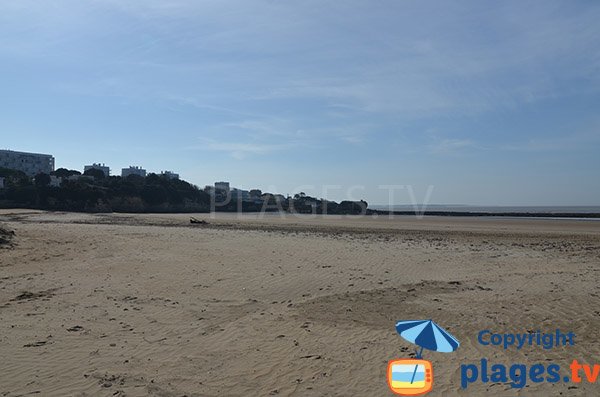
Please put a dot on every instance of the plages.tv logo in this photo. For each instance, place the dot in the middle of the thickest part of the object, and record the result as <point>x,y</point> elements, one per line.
<point>413,377</point>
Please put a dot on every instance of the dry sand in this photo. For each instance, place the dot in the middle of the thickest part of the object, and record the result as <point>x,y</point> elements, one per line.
<point>136,305</point>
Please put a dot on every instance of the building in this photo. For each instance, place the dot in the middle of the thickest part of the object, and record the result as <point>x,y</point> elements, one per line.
<point>29,163</point>
<point>125,172</point>
<point>170,175</point>
<point>223,186</point>
<point>1,182</point>
<point>102,167</point>
<point>239,194</point>
<point>77,177</point>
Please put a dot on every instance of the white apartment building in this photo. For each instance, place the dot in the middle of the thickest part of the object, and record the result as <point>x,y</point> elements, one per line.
<point>30,163</point>
<point>102,167</point>
<point>125,172</point>
<point>223,186</point>
<point>239,194</point>
<point>170,174</point>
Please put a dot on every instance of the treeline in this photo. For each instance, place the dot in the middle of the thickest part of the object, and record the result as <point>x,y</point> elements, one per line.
<point>299,204</point>
<point>93,192</point>
<point>69,190</point>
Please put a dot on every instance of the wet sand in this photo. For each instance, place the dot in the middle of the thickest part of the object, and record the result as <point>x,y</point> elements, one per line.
<point>119,304</point>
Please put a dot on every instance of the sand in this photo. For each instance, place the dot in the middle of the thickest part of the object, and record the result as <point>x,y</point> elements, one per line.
<point>135,305</point>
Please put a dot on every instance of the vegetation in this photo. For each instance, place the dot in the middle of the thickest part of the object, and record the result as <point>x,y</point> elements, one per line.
<point>303,204</point>
<point>95,173</point>
<point>64,173</point>
<point>95,192</point>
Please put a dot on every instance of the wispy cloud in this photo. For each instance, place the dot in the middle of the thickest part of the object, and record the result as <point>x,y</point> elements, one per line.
<point>399,60</point>
<point>241,151</point>
<point>576,141</point>
<point>451,146</point>
<point>260,137</point>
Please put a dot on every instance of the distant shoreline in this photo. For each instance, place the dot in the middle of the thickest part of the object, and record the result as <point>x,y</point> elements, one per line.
<point>369,213</point>
<point>578,215</point>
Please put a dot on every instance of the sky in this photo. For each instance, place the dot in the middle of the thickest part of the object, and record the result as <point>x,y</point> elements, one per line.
<point>467,102</point>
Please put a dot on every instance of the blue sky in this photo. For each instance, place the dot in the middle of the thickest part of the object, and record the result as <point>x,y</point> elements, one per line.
<point>491,103</point>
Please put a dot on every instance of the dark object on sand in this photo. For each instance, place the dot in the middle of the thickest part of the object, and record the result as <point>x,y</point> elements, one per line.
<point>198,221</point>
<point>75,328</point>
<point>6,235</point>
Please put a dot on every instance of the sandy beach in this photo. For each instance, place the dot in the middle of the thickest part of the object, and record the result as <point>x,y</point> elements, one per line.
<point>135,305</point>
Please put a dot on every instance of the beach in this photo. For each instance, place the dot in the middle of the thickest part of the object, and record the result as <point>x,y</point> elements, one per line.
<point>251,305</point>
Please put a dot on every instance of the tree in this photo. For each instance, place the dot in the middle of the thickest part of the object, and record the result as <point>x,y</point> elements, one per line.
<point>64,173</point>
<point>95,173</point>
<point>8,173</point>
<point>42,179</point>
<point>135,179</point>
<point>353,207</point>
<point>153,194</point>
<point>153,179</point>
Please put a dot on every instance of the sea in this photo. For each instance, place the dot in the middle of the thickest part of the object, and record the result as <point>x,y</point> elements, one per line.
<point>595,209</point>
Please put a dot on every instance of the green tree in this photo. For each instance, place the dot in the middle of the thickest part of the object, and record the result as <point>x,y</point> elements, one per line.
<point>42,179</point>
<point>154,195</point>
<point>64,173</point>
<point>95,173</point>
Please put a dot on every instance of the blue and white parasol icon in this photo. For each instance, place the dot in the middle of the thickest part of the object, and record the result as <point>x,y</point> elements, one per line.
<point>427,335</point>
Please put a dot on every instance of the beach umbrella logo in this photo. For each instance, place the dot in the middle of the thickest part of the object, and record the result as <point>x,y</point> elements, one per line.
<point>413,377</point>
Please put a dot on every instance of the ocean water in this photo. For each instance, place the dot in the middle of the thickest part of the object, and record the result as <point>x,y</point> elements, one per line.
<point>491,209</point>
